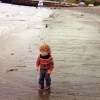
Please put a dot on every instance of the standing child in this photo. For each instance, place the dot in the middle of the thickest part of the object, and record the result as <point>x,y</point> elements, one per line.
<point>46,65</point>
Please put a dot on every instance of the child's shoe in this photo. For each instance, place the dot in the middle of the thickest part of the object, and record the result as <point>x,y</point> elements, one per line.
<point>39,87</point>
<point>47,87</point>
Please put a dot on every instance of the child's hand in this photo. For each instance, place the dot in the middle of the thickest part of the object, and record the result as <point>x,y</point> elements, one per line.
<point>37,69</point>
<point>48,72</point>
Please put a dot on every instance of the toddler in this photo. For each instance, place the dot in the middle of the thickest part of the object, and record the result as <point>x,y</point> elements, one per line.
<point>46,65</point>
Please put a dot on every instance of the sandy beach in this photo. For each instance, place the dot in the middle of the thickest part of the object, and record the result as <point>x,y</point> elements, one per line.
<point>74,36</point>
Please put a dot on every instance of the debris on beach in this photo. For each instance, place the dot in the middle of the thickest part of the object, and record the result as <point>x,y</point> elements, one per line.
<point>20,66</point>
<point>12,53</point>
<point>46,25</point>
<point>91,5</point>
<point>11,70</point>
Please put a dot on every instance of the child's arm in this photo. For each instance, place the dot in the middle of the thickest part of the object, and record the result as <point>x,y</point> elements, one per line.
<point>37,64</point>
<point>37,68</point>
<point>51,67</point>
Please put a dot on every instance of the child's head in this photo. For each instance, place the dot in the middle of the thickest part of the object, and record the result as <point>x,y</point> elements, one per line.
<point>45,49</point>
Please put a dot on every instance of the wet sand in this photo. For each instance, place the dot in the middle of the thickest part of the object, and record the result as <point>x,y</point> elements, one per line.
<point>91,10</point>
<point>74,38</point>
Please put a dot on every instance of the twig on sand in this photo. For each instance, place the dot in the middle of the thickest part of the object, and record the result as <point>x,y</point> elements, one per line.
<point>10,70</point>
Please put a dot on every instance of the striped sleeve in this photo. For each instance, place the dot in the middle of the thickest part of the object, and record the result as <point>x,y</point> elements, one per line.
<point>51,65</point>
<point>38,61</point>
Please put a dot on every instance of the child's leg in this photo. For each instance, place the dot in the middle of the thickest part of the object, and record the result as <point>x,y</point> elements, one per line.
<point>41,79</point>
<point>48,80</point>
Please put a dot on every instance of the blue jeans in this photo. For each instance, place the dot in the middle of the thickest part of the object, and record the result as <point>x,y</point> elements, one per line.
<point>44,77</point>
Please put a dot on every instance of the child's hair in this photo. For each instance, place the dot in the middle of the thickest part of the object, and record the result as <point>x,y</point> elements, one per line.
<point>45,47</point>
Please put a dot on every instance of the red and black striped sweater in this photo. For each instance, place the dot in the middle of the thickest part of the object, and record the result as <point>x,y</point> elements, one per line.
<point>45,62</point>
